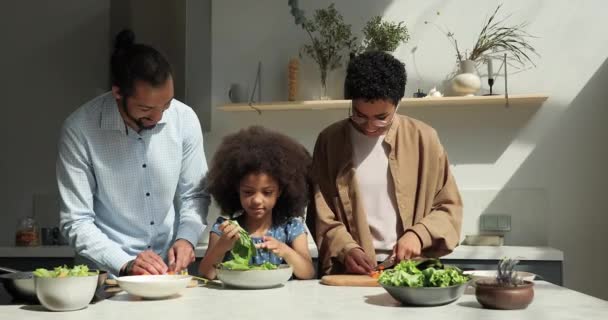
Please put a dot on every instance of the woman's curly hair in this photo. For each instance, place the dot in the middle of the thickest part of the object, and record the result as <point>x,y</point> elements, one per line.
<point>259,150</point>
<point>375,75</point>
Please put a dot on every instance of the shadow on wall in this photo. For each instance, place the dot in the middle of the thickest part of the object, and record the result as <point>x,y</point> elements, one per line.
<point>570,162</point>
<point>58,60</point>
<point>476,134</point>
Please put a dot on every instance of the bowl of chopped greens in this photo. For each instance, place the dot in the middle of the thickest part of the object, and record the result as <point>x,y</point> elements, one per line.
<point>424,283</point>
<point>238,272</point>
<point>263,276</point>
<point>65,289</point>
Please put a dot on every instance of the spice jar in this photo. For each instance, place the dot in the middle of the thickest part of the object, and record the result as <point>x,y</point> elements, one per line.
<point>28,232</point>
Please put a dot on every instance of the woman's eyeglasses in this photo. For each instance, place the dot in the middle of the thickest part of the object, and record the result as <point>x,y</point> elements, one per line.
<point>378,123</point>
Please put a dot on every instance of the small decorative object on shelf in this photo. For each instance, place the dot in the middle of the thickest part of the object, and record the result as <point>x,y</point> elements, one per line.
<point>466,82</point>
<point>237,93</point>
<point>508,291</point>
<point>434,93</point>
<point>490,76</point>
<point>419,94</point>
<point>257,88</point>
<point>292,78</point>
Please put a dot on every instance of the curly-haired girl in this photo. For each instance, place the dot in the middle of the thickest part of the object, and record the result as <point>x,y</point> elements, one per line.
<point>261,179</point>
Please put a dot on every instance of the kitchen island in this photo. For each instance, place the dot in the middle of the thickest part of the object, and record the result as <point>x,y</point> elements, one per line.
<point>543,261</point>
<point>311,300</point>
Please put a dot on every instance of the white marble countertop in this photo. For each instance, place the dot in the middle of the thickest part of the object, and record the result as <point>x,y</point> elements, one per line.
<point>311,300</point>
<point>461,252</point>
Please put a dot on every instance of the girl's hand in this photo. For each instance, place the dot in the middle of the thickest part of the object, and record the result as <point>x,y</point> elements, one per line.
<point>230,235</point>
<point>277,247</point>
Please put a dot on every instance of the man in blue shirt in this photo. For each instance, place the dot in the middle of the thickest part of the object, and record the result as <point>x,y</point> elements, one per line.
<point>130,170</point>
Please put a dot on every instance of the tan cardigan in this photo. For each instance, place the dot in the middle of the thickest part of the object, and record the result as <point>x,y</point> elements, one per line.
<point>428,200</point>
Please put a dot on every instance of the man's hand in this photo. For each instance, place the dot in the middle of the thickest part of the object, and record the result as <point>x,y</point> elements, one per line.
<point>407,247</point>
<point>148,262</point>
<point>180,255</point>
<point>271,244</point>
<point>357,262</point>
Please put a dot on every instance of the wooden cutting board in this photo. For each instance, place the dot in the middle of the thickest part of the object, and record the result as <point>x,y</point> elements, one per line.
<point>350,280</point>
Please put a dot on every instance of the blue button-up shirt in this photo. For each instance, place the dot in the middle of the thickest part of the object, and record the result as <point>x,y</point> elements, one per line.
<point>124,192</point>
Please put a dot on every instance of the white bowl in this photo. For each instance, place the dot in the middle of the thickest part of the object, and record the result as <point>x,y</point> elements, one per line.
<point>67,293</point>
<point>154,286</point>
<point>255,279</point>
<point>491,274</point>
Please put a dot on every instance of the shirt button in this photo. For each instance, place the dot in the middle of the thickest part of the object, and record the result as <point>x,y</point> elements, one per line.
<point>151,223</point>
<point>147,194</point>
<point>143,165</point>
<point>149,247</point>
<point>139,138</point>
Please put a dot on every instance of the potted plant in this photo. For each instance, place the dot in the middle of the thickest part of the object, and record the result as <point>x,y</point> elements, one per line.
<point>330,39</point>
<point>382,35</point>
<point>493,42</point>
<point>508,291</point>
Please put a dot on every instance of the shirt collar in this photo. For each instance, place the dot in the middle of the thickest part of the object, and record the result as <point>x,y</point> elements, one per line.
<point>392,131</point>
<point>110,116</point>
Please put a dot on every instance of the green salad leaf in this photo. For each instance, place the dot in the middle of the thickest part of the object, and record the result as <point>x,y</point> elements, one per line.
<point>63,271</point>
<point>242,252</point>
<point>264,266</point>
<point>430,273</point>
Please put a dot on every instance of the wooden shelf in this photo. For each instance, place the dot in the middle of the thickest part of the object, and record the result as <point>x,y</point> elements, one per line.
<point>514,100</point>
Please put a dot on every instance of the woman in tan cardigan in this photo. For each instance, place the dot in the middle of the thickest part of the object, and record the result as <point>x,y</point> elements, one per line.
<point>383,183</point>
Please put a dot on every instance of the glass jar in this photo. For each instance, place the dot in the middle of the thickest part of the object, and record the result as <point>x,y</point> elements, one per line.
<point>28,232</point>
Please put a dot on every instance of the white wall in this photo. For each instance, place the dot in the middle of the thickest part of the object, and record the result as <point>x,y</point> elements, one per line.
<point>542,166</point>
<point>159,23</point>
<point>53,59</point>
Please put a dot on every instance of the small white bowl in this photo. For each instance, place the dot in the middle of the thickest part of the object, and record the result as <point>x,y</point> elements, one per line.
<point>66,293</point>
<point>154,286</point>
<point>255,279</point>
<point>491,274</point>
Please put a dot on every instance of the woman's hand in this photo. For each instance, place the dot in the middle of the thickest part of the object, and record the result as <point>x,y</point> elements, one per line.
<point>407,247</point>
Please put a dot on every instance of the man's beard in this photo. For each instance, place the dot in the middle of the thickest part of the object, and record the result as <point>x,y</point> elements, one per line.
<point>141,125</point>
<point>139,122</point>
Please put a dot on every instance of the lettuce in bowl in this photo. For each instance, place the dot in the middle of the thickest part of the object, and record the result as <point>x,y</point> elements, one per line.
<point>63,271</point>
<point>418,274</point>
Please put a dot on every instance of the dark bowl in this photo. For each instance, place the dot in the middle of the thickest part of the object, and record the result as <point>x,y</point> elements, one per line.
<point>493,296</point>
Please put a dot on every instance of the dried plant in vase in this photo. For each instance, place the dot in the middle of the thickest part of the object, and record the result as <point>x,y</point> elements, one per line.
<point>494,40</point>
<point>507,291</point>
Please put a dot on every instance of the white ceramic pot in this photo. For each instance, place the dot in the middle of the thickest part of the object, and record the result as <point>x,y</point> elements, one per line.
<point>67,293</point>
<point>467,82</point>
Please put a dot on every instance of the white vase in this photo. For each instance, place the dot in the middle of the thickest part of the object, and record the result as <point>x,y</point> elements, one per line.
<point>467,82</point>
